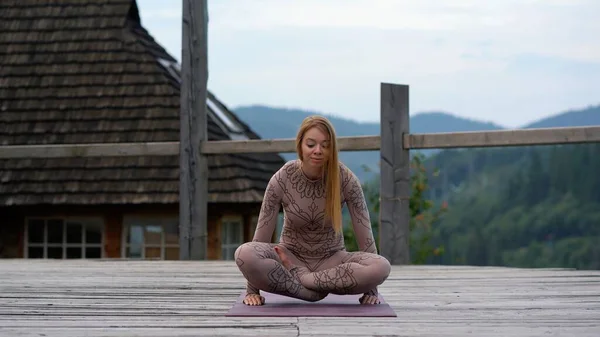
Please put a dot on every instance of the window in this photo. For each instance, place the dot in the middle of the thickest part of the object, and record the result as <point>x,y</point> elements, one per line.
<point>63,238</point>
<point>232,234</point>
<point>151,238</point>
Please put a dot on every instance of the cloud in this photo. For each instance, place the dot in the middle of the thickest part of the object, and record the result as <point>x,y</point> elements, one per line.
<point>510,61</point>
<point>554,27</point>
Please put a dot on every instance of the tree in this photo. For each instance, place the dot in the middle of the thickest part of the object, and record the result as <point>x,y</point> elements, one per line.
<point>423,214</point>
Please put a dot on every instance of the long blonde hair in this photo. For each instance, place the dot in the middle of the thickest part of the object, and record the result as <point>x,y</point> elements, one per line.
<point>333,203</point>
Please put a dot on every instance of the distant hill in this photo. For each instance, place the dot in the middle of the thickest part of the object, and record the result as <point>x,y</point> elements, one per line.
<point>272,122</point>
<point>533,206</point>
<point>433,122</point>
<point>460,165</point>
<point>583,117</point>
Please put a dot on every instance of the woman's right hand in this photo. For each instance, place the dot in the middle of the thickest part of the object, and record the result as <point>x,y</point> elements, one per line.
<point>254,299</point>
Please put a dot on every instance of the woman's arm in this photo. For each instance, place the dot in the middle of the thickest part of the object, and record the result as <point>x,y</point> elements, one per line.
<point>269,210</point>
<point>359,212</point>
<point>267,218</point>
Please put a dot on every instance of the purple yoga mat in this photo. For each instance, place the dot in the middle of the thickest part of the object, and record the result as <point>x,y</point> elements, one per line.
<point>332,305</point>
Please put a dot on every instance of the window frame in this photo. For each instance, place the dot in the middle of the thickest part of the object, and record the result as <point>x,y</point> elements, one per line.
<point>231,247</point>
<point>94,221</point>
<point>144,221</point>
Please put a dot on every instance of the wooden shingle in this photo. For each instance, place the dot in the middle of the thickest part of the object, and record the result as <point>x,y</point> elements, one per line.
<point>88,72</point>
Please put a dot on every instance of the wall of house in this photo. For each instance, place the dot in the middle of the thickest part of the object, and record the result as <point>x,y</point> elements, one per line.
<point>13,228</point>
<point>12,225</point>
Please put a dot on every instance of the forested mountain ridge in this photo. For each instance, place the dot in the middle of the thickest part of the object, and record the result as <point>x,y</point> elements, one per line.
<point>526,207</point>
<point>270,123</point>
<point>576,117</point>
<point>273,122</point>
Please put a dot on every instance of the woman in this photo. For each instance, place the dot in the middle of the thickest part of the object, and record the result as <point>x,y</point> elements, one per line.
<point>310,260</point>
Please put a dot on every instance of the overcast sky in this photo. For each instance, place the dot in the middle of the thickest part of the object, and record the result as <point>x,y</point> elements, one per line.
<point>506,61</point>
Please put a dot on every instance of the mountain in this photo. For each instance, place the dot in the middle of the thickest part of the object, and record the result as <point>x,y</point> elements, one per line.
<point>433,122</point>
<point>535,206</point>
<point>581,117</point>
<point>273,122</point>
<point>459,166</point>
<point>532,206</point>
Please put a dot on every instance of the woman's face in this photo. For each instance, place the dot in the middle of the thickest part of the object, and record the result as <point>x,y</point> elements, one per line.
<point>315,148</point>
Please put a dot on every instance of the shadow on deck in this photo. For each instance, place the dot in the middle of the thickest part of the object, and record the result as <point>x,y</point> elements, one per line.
<point>181,298</point>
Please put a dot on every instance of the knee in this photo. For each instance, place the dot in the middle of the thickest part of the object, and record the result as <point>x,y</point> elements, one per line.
<point>382,269</point>
<point>241,254</point>
<point>246,255</point>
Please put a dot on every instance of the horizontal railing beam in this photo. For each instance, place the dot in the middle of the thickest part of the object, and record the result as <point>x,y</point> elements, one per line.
<point>355,143</point>
<point>89,150</point>
<point>520,137</point>
<point>361,143</point>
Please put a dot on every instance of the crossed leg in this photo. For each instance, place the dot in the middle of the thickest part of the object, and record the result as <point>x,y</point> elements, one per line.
<point>344,273</point>
<point>263,270</point>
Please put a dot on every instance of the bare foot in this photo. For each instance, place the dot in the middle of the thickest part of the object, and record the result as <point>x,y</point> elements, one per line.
<point>287,264</point>
<point>297,271</point>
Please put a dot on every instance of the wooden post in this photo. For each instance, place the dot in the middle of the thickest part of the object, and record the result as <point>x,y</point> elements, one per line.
<point>394,213</point>
<point>193,178</point>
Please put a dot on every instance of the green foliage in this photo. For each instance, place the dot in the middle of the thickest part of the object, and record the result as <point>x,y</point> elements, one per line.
<point>518,207</point>
<point>534,207</point>
<point>423,214</point>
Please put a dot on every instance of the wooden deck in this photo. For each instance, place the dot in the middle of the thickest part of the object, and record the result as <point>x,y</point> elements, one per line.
<point>144,298</point>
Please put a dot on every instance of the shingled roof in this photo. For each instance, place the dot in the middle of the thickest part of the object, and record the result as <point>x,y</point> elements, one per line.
<point>88,72</point>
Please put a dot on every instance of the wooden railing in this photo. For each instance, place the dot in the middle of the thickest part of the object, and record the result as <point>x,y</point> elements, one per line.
<point>394,143</point>
<point>499,138</point>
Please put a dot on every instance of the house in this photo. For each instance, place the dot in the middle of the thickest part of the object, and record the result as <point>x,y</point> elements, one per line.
<point>88,72</point>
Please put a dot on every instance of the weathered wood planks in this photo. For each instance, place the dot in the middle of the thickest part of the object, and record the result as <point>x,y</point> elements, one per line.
<point>190,298</point>
<point>394,215</point>
<point>499,138</point>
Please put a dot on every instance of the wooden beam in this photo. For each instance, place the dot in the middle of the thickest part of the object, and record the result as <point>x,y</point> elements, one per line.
<point>193,182</point>
<point>89,150</point>
<point>394,215</point>
<point>356,143</point>
<point>520,137</point>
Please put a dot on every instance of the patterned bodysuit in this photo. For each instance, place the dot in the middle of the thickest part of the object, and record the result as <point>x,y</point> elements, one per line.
<point>322,263</point>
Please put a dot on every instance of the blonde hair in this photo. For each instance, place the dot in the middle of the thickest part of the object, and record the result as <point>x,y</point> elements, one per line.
<point>333,203</point>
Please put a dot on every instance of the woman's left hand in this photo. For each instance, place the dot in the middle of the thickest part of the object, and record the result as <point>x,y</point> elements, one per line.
<point>369,299</point>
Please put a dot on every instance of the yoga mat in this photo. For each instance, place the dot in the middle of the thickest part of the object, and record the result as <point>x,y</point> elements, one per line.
<point>332,305</point>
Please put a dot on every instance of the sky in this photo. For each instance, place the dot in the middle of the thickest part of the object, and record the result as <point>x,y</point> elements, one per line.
<point>510,62</point>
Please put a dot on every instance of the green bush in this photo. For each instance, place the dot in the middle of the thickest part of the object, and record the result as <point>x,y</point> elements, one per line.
<point>424,215</point>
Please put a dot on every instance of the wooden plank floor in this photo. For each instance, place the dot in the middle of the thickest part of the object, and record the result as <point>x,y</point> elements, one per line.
<point>155,298</point>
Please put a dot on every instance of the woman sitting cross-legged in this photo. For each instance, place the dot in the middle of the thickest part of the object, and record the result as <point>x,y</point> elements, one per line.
<point>310,260</point>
